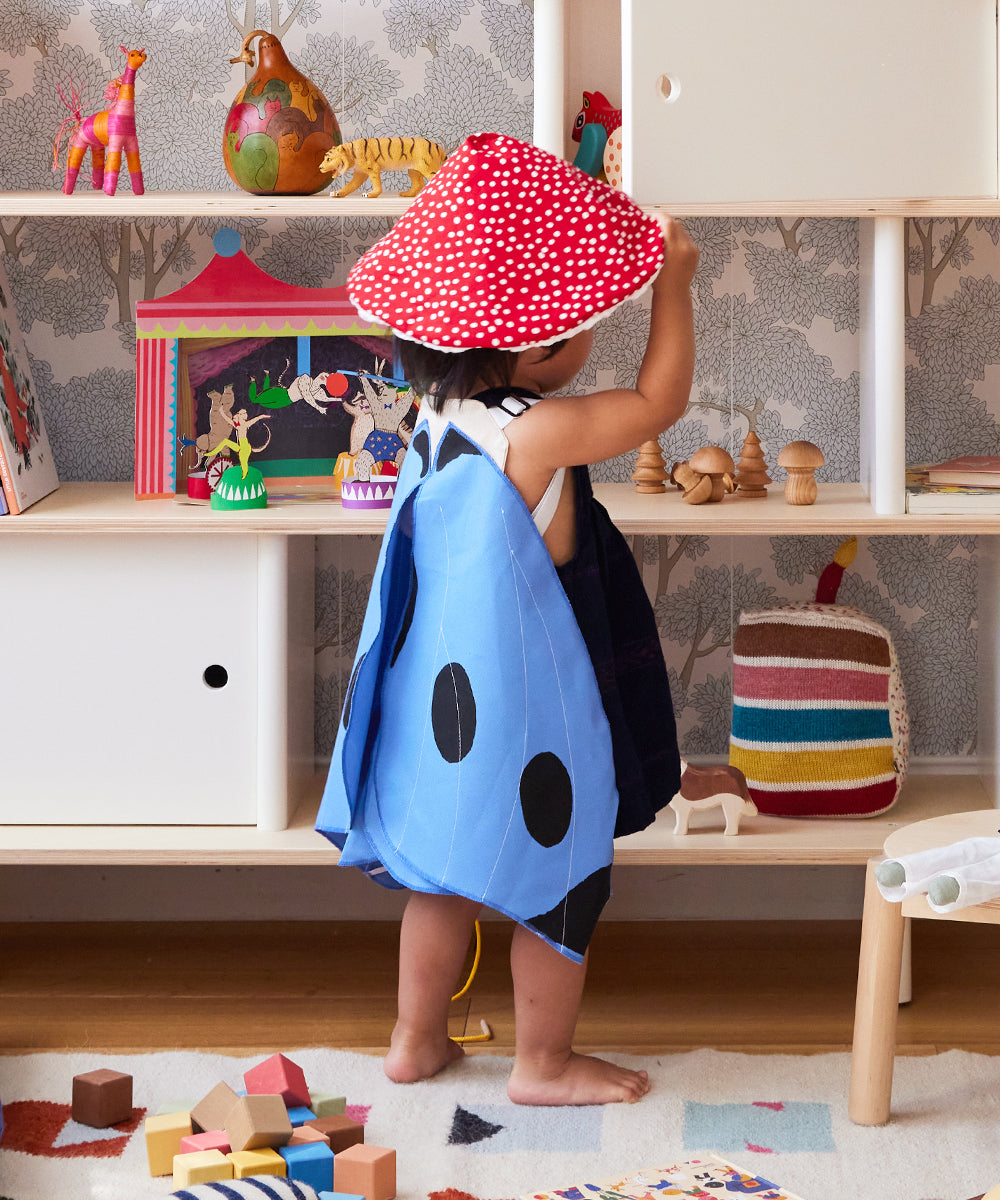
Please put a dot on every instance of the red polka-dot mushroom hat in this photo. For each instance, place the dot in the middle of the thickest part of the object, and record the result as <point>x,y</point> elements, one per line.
<point>506,247</point>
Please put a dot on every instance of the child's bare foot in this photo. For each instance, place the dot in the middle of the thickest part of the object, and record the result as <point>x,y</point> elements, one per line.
<point>578,1079</point>
<point>412,1058</point>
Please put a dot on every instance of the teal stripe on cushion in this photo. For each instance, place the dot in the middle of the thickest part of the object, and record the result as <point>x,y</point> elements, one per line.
<point>810,724</point>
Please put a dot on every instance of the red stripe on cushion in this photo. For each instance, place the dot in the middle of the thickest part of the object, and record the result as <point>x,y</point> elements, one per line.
<point>805,683</point>
<point>827,802</point>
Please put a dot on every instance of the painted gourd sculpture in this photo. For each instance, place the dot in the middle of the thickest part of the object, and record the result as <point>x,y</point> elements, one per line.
<point>279,127</point>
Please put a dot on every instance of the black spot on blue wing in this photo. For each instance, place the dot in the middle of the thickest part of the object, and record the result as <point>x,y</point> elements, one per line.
<point>346,714</point>
<point>571,923</point>
<point>453,445</point>
<point>546,798</point>
<point>411,604</point>
<point>422,444</point>
<point>453,712</point>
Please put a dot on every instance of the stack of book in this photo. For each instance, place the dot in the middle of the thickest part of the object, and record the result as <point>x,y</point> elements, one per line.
<point>968,484</point>
<point>27,468</point>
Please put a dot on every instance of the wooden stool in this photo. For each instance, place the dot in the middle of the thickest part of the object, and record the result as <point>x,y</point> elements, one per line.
<point>882,927</point>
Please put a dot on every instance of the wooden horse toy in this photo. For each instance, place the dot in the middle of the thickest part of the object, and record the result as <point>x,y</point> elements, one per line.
<point>113,131</point>
<point>712,787</point>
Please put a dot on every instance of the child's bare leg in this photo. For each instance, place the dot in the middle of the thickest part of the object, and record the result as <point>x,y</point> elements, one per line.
<point>433,941</point>
<point>548,988</point>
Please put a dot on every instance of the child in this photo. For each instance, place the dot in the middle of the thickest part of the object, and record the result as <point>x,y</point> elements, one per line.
<point>509,714</point>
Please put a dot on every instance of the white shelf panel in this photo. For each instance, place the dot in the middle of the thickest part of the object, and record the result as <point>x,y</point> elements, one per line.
<point>840,508</point>
<point>86,203</point>
<point>763,841</point>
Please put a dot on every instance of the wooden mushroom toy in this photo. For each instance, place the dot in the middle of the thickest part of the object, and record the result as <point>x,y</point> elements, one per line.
<point>800,460</point>
<point>716,467</point>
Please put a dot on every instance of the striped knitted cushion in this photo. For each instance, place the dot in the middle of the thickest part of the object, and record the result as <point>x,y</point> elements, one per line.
<point>819,715</point>
<point>260,1187</point>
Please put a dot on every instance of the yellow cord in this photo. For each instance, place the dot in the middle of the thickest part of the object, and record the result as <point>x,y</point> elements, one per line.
<point>487,1033</point>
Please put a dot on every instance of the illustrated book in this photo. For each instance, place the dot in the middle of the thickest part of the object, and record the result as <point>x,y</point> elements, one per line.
<point>27,468</point>
<point>700,1178</point>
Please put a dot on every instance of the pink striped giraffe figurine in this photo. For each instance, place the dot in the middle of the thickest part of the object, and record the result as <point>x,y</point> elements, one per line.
<point>113,131</point>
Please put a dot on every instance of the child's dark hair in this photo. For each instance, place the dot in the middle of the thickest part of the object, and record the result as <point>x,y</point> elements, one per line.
<point>438,376</point>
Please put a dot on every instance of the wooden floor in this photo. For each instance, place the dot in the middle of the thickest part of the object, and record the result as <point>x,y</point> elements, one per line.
<point>653,987</point>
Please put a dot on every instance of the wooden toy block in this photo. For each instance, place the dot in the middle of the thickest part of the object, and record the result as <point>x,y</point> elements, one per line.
<point>256,1162</point>
<point>306,1133</point>
<point>325,1105</point>
<point>256,1122</point>
<point>102,1098</point>
<point>278,1076</point>
<point>211,1139</point>
<point>211,1111</point>
<point>298,1115</point>
<point>309,1163</point>
<point>369,1171</point>
<point>341,1131</point>
<point>163,1140</point>
<point>203,1166</point>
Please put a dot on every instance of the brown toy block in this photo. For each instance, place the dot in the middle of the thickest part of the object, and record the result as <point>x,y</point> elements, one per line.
<point>203,1166</point>
<point>256,1122</point>
<point>341,1132</point>
<point>278,1076</point>
<point>211,1111</point>
<point>102,1098</point>
<point>256,1162</point>
<point>368,1171</point>
<point>325,1105</point>
<point>305,1133</point>
<point>163,1140</point>
<point>211,1139</point>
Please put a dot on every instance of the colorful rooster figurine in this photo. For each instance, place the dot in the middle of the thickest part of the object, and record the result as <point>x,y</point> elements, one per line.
<point>111,131</point>
<point>597,109</point>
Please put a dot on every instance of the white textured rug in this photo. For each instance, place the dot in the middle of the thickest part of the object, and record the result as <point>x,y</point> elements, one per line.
<point>783,1117</point>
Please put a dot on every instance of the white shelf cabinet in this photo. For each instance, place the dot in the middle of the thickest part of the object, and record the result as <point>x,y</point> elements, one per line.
<point>916,81</point>
<point>779,100</point>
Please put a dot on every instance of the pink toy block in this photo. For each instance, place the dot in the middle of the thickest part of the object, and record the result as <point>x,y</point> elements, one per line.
<point>256,1122</point>
<point>213,1139</point>
<point>278,1076</point>
<point>102,1098</point>
<point>368,1171</point>
<point>211,1111</point>
<point>305,1133</point>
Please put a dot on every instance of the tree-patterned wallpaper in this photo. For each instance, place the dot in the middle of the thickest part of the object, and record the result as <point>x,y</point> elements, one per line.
<point>776,313</point>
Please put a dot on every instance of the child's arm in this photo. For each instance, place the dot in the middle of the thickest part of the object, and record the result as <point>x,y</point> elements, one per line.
<point>569,430</point>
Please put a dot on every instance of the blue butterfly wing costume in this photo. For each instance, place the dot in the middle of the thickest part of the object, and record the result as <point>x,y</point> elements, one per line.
<point>474,755</point>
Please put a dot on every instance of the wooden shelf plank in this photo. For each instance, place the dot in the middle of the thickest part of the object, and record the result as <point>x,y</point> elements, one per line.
<point>841,507</point>
<point>87,203</point>
<point>763,841</point>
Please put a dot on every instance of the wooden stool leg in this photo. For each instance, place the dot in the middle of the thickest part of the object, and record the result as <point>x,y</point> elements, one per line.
<point>876,1008</point>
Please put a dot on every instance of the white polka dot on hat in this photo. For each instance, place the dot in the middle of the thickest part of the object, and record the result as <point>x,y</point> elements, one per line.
<point>506,247</point>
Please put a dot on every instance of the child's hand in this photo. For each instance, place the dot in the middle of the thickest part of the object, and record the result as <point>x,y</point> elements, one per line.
<point>680,254</point>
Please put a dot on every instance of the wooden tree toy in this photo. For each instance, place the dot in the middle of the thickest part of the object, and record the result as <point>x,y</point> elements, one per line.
<point>751,471</point>
<point>111,132</point>
<point>650,472</point>
<point>801,460</point>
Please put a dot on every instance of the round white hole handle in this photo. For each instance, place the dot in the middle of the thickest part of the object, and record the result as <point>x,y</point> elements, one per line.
<point>668,87</point>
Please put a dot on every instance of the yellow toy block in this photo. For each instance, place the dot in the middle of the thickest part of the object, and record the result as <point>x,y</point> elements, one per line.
<point>201,1166</point>
<point>163,1140</point>
<point>256,1162</point>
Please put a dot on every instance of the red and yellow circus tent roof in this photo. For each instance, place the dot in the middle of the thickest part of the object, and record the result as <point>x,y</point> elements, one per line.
<point>233,296</point>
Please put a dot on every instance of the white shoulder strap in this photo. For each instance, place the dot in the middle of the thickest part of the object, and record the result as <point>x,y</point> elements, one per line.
<point>543,512</point>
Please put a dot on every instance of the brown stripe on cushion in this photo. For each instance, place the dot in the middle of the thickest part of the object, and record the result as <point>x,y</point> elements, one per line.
<point>810,641</point>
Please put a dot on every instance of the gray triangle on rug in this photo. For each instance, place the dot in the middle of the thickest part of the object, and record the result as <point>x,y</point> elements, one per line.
<point>458,1137</point>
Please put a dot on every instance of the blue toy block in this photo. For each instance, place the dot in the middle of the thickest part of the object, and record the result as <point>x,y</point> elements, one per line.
<point>339,1196</point>
<point>309,1162</point>
<point>300,1114</point>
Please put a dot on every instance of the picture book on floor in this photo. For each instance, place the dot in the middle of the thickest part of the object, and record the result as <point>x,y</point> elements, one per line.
<point>701,1177</point>
<point>27,468</point>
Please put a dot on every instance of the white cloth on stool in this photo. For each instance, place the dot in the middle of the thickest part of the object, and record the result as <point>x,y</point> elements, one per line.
<point>974,862</point>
